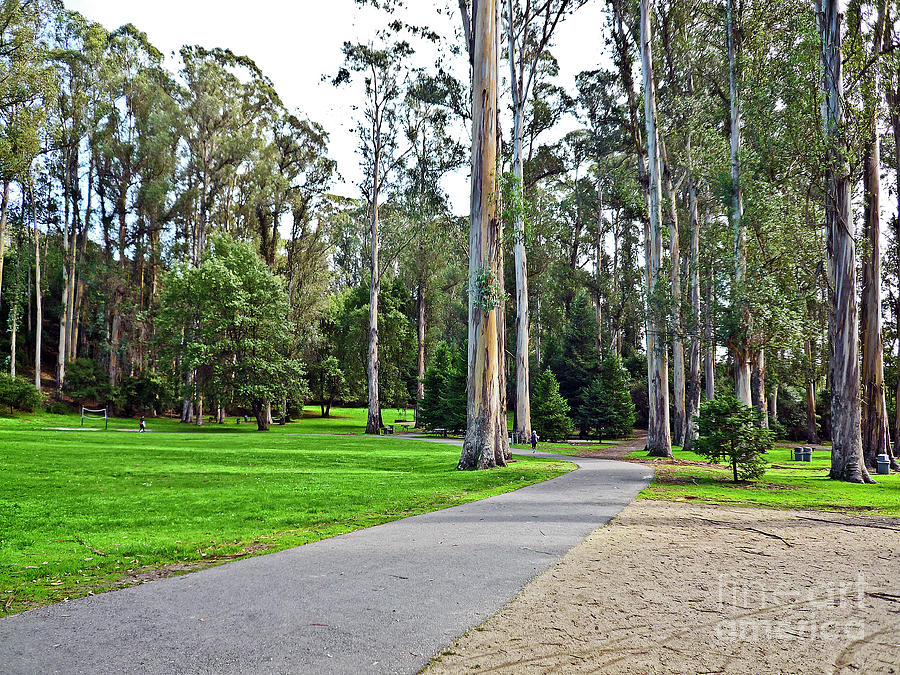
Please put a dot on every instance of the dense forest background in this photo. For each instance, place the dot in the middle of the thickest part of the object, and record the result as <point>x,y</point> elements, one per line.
<point>169,241</point>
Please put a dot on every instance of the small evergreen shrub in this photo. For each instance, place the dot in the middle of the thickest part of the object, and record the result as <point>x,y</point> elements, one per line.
<point>729,432</point>
<point>444,403</point>
<point>549,409</point>
<point>19,394</point>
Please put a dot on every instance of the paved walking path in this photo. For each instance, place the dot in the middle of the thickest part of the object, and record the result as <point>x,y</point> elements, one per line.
<point>380,600</point>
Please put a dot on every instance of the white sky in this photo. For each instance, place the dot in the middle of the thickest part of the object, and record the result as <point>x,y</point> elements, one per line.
<point>296,42</point>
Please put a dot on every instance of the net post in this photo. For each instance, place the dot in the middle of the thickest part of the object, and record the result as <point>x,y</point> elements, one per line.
<point>82,416</point>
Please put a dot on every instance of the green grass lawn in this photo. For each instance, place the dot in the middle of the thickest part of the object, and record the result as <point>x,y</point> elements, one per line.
<point>341,421</point>
<point>84,511</point>
<point>786,485</point>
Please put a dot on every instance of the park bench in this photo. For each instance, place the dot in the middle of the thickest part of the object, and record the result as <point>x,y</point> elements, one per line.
<point>441,431</point>
<point>384,431</point>
<point>406,424</point>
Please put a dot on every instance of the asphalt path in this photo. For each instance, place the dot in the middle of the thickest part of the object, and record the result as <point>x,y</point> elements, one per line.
<point>385,599</point>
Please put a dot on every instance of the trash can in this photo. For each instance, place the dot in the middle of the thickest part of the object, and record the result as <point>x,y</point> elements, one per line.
<point>807,454</point>
<point>798,454</point>
<point>884,464</point>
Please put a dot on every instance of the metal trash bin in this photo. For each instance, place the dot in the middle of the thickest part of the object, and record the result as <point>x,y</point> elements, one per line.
<point>807,454</point>
<point>884,464</point>
<point>798,454</point>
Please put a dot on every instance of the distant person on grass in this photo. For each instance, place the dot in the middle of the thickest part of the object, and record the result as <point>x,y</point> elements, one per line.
<point>534,440</point>
<point>143,426</point>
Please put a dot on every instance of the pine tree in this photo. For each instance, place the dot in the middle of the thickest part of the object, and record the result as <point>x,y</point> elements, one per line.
<point>607,402</point>
<point>549,409</point>
<point>575,362</point>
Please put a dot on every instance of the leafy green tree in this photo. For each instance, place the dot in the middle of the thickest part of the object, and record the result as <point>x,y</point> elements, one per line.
<point>549,409</point>
<point>730,432</point>
<point>87,382</point>
<point>18,394</point>
<point>327,382</point>
<point>608,402</point>
<point>444,403</point>
<point>226,322</point>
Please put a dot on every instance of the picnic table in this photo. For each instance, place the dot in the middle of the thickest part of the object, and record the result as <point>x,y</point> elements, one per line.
<point>441,431</point>
<point>406,424</point>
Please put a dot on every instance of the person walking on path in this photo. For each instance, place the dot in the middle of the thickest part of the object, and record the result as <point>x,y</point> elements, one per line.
<point>534,440</point>
<point>143,427</point>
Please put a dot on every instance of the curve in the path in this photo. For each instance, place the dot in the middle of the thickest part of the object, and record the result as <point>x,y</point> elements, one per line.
<point>380,600</point>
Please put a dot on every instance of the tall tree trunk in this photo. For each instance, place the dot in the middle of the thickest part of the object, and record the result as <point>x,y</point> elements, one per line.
<point>846,452</point>
<point>14,333</point>
<point>709,358</point>
<point>598,264</point>
<point>4,210</point>
<point>374,423</point>
<point>894,104</point>
<point>38,294</point>
<point>659,443</point>
<point>63,340</point>
<point>758,386</point>
<point>812,429</point>
<point>876,436</point>
<point>693,399</point>
<point>739,345</point>
<point>523,392</point>
<point>420,332</point>
<point>678,384</point>
<point>486,441</point>
<point>773,406</point>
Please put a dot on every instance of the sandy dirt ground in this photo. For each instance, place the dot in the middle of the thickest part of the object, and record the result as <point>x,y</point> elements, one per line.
<point>684,588</point>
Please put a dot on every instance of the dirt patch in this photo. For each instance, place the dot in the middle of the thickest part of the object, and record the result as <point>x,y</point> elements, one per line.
<point>690,588</point>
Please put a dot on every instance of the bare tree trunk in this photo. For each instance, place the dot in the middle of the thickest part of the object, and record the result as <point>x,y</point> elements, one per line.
<point>773,407</point>
<point>420,330</point>
<point>894,104</point>
<point>876,437</point>
<point>812,430</point>
<point>678,384</point>
<point>709,358</point>
<point>758,386</point>
<point>4,210</point>
<point>14,331</point>
<point>61,352</point>
<point>486,440</point>
<point>38,294</point>
<point>659,442</point>
<point>523,391</point>
<point>846,452</point>
<point>598,265</point>
<point>693,399</point>
<point>740,347</point>
<point>374,423</point>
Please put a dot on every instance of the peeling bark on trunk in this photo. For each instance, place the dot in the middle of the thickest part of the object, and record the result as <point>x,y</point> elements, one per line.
<point>486,442</point>
<point>846,453</point>
<point>659,442</point>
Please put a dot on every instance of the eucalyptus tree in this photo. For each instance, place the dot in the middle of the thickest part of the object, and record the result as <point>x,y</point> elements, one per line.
<point>659,442</point>
<point>875,427</point>
<point>434,152</point>
<point>486,441</point>
<point>530,28</point>
<point>381,68</point>
<point>846,453</point>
